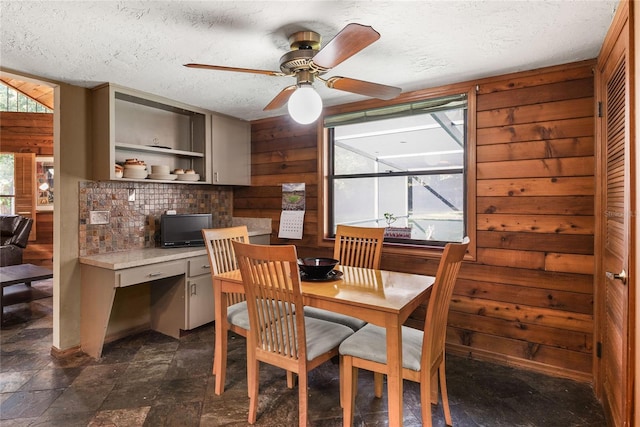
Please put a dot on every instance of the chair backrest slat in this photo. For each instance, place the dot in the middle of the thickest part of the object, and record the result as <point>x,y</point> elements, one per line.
<point>358,246</point>
<point>435,326</point>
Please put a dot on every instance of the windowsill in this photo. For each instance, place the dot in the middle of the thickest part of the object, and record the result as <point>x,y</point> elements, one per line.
<point>408,250</point>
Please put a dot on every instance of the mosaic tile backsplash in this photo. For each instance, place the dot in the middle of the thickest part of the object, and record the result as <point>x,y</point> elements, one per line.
<point>136,224</point>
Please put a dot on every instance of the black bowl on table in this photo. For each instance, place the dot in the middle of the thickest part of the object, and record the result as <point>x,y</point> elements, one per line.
<point>316,268</point>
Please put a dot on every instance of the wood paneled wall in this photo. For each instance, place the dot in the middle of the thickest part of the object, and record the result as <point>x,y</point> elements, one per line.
<point>31,133</point>
<point>282,152</point>
<point>528,298</point>
<point>26,133</point>
<point>40,251</point>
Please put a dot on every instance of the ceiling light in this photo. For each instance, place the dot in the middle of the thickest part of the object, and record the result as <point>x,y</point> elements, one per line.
<point>305,105</point>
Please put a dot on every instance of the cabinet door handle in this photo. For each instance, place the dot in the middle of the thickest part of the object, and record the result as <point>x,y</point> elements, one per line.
<point>215,176</point>
<point>206,266</point>
<point>155,274</point>
<point>194,290</point>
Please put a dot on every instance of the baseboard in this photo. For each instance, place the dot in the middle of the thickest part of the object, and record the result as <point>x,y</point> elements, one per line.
<point>502,359</point>
<point>63,354</point>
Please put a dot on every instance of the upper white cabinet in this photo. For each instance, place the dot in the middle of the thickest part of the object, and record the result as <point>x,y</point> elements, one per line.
<point>231,151</point>
<point>131,124</point>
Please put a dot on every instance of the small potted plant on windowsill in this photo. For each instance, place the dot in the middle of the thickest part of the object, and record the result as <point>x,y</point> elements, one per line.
<point>395,232</point>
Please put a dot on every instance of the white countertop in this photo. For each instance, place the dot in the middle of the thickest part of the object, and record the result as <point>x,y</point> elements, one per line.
<point>140,257</point>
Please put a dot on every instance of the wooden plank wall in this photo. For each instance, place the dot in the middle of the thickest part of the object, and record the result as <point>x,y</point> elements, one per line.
<point>31,133</point>
<point>528,298</point>
<point>26,133</point>
<point>282,151</point>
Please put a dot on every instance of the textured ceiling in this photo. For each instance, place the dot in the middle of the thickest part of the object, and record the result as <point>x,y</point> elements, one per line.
<point>143,44</point>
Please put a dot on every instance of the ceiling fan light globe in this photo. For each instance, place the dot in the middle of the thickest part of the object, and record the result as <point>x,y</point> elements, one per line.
<point>305,105</point>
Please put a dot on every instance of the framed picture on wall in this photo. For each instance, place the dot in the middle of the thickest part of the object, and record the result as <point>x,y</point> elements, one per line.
<point>44,183</point>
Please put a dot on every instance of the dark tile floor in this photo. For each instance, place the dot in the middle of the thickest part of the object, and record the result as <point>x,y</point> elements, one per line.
<point>153,380</point>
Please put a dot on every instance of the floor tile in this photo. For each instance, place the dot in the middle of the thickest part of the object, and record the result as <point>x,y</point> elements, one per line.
<point>131,395</point>
<point>49,378</point>
<point>184,414</point>
<point>13,381</point>
<point>27,404</point>
<point>80,399</point>
<point>134,417</point>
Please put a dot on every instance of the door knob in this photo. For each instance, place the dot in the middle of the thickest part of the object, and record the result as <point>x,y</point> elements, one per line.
<point>622,276</point>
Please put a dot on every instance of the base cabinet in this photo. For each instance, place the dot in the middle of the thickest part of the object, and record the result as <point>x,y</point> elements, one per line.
<point>199,293</point>
<point>200,302</point>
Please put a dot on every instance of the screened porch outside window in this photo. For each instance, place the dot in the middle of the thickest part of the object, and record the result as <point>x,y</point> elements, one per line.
<point>407,162</point>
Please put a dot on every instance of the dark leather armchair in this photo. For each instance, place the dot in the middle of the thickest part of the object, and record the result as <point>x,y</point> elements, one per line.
<point>14,236</point>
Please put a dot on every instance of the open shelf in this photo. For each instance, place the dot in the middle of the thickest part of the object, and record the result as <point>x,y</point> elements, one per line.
<point>157,150</point>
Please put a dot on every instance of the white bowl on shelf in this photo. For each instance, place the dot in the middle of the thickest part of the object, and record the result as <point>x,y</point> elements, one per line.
<point>188,177</point>
<point>134,173</point>
<point>160,170</point>
<point>135,167</point>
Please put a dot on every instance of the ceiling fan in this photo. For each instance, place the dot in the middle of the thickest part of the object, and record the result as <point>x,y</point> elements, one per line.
<point>307,61</point>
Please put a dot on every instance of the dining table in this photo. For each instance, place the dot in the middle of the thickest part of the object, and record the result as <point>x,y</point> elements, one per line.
<point>381,297</point>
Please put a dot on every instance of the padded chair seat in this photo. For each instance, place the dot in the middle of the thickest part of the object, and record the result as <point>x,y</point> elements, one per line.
<point>322,336</point>
<point>370,343</point>
<point>317,313</point>
<point>238,315</point>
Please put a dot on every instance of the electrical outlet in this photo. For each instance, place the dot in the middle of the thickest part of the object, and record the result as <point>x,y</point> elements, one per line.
<point>99,217</point>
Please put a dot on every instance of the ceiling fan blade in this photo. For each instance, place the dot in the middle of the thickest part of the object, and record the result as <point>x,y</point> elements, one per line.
<point>240,70</point>
<point>280,98</point>
<point>361,87</point>
<point>351,40</point>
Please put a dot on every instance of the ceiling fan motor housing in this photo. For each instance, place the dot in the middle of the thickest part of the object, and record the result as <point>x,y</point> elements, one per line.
<point>304,46</point>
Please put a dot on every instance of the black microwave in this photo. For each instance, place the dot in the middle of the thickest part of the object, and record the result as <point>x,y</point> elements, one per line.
<point>182,230</point>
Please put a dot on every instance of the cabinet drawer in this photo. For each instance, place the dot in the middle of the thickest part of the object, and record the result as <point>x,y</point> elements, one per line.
<point>146,273</point>
<point>199,265</point>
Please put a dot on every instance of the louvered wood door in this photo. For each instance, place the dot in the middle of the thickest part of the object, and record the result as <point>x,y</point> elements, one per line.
<point>613,289</point>
<point>24,169</point>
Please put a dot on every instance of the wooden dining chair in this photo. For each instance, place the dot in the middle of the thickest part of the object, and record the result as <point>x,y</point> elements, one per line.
<point>280,335</point>
<point>422,351</point>
<point>222,259</point>
<point>354,247</point>
<point>358,246</point>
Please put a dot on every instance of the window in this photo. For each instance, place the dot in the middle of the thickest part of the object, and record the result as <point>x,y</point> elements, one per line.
<point>12,100</point>
<point>401,167</point>
<point>7,185</point>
